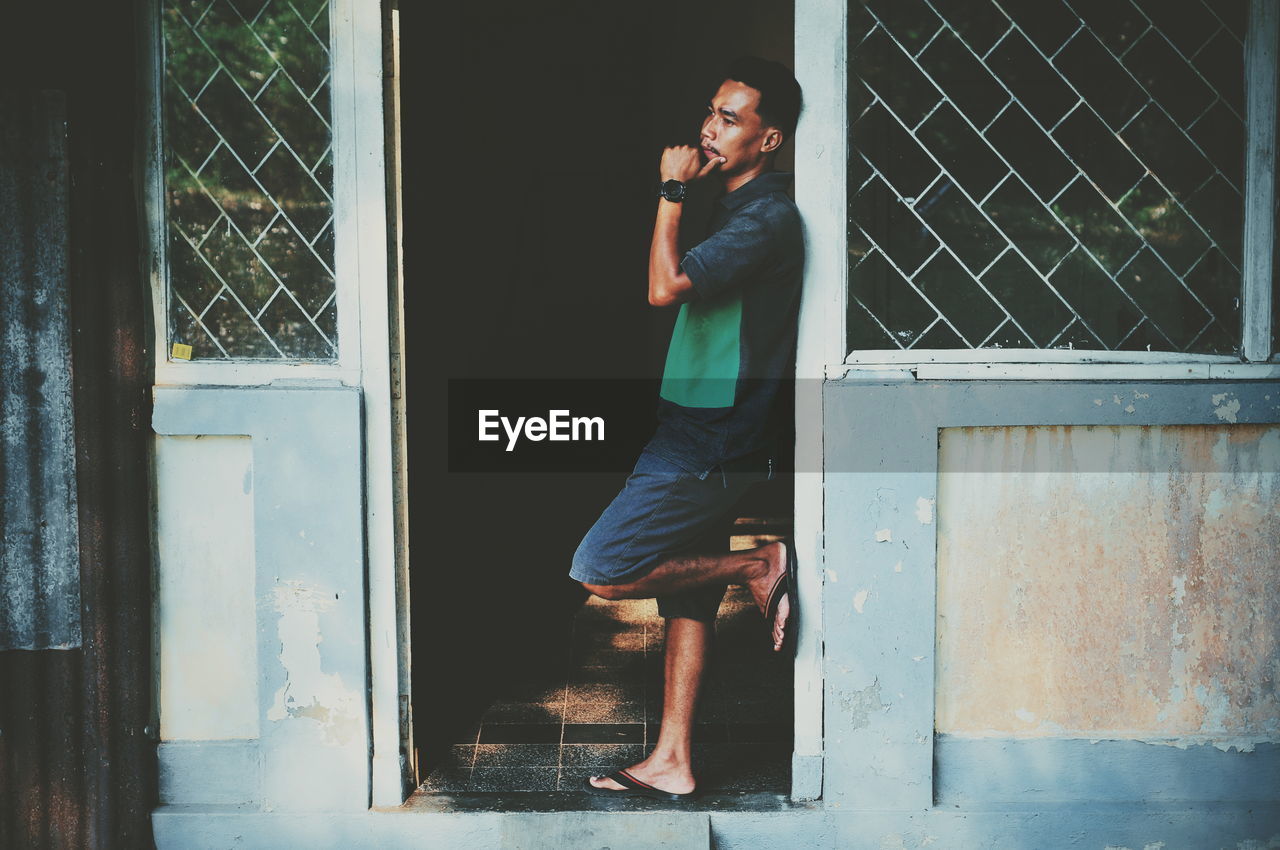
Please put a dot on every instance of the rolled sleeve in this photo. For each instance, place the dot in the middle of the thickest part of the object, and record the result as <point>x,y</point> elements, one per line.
<point>732,255</point>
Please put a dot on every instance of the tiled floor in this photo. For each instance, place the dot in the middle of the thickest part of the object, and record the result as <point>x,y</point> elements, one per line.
<point>600,709</point>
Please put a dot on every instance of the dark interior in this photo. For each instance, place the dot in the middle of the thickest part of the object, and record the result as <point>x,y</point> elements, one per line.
<point>531,137</point>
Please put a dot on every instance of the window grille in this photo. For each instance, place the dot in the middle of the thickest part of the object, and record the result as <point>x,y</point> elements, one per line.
<point>1046,174</point>
<point>249,179</point>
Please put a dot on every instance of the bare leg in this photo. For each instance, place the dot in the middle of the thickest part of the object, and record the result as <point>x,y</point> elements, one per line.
<point>758,569</point>
<point>670,767</point>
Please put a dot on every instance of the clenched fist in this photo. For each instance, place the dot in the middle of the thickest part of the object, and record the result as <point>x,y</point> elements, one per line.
<point>682,163</point>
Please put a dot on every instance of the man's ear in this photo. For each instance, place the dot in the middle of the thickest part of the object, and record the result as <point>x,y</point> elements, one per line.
<point>772,140</point>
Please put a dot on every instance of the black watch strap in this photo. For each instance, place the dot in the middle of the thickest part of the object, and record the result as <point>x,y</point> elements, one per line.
<point>672,190</point>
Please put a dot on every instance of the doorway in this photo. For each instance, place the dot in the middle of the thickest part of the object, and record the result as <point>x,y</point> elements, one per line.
<point>530,141</point>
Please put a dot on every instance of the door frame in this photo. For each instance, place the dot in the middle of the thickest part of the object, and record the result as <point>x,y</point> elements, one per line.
<point>364,294</point>
<point>821,155</point>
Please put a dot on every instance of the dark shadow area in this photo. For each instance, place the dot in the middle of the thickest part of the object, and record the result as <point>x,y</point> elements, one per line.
<point>597,704</point>
<point>531,138</point>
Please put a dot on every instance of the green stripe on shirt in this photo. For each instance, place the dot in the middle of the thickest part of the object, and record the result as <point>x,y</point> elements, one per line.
<point>703,358</point>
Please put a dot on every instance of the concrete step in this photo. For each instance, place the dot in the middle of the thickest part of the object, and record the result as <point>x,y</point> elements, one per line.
<point>606,831</point>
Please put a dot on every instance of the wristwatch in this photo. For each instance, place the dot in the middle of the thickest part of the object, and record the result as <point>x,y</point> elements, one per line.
<point>672,190</point>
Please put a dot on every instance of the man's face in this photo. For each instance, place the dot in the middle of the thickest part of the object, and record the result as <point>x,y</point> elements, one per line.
<point>733,129</point>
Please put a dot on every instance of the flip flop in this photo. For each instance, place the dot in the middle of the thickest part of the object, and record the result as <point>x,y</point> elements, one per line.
<point>786,584</point>
<point>632,787</point>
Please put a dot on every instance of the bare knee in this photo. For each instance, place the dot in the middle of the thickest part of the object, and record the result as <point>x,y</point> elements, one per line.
<point>605,591</point>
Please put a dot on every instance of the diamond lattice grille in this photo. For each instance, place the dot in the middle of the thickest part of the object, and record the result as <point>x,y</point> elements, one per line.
<point>249,178</point>
<point>1046,174</point>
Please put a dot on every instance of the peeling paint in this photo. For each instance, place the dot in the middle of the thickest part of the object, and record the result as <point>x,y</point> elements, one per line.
<point>1249,844</point>
<point>899,841</point>
<point>924,510</point>
<point>1239,743</point>
<point>860,703</point>
<point>832,576</point>
<point>897,568</point>
<point>1225,410</point>
<point>884,535</point>
<point>860,599</point>
<point>308,692</point>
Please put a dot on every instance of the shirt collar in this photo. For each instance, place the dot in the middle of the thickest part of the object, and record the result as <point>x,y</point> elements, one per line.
<point>770,181</point>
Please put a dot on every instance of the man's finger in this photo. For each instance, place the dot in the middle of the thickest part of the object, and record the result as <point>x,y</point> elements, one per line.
<point>706,169</point>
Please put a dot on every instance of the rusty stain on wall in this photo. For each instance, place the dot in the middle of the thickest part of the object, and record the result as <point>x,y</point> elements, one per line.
<point>1081,597</point>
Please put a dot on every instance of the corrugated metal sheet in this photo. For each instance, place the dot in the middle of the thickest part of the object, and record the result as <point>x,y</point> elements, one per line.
<point>77,759</point>
<point>39,559</point>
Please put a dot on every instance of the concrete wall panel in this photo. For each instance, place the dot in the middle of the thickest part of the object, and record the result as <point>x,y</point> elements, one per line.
<point>1078,597</point>
<point>208,689</point>
<point>307,599</point>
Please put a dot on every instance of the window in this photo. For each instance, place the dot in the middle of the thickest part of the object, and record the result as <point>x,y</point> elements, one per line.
<point>1039,175</point>
<point>248,179</point>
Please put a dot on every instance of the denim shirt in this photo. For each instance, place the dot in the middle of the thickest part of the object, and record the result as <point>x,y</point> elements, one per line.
<point>732,351</point>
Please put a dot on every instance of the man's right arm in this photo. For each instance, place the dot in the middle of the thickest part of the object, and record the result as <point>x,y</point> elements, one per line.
<point>668,284</point>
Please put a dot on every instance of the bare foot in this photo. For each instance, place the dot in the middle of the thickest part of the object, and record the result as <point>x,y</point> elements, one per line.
<point>665,774</point>
<point>775,555</point>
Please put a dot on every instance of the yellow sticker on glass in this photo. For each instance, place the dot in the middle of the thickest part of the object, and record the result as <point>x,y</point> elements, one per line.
<point>181,351</point>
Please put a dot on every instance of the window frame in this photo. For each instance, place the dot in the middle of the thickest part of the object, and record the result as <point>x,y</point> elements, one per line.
<point>1257,358</point>
<point>350,230</point>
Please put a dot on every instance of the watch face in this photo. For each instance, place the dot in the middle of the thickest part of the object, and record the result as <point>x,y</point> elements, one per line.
<point>673,189</point>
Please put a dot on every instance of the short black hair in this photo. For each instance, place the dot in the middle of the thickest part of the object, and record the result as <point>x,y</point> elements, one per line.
<point>780,100</point>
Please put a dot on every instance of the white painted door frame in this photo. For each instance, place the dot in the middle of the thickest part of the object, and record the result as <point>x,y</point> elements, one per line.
<point>360,139</point>
<point>820,161</point>
<point>364,360</point>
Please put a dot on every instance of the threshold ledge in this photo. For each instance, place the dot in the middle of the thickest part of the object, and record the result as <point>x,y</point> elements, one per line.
<point>437,802</point>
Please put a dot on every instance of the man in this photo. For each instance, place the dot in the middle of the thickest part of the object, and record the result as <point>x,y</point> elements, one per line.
<point>731,353</point>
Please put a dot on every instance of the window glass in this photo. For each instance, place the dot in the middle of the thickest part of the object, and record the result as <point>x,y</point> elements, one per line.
<point>1046,174</point>
<point>249,179</point>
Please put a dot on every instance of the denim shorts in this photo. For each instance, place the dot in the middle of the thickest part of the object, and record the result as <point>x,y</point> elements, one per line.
<point>662,511</point>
